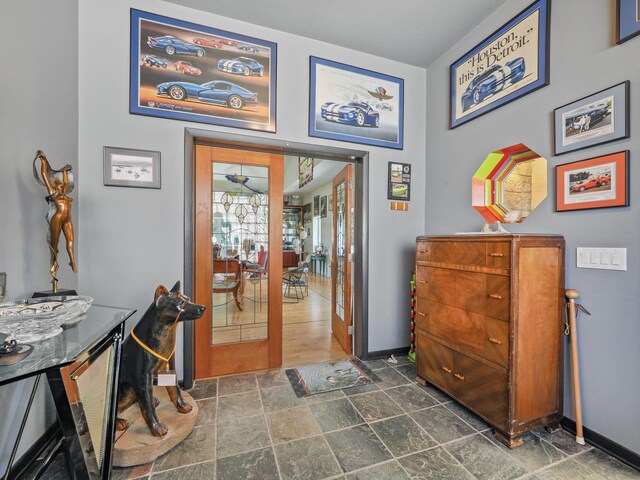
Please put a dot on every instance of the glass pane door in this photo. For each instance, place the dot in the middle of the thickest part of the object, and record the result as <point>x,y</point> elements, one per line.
<point>341,248</point>
<point>240,246</point>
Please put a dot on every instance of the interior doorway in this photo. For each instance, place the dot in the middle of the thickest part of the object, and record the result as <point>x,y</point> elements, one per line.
<point>359,160</point>
<point>316,310</point>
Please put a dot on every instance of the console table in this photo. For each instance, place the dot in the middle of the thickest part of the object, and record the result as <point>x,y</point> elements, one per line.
<point>82,365</point>
<point>322,259</point>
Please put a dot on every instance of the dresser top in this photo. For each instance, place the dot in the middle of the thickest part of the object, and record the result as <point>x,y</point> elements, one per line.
<point>488,236</point>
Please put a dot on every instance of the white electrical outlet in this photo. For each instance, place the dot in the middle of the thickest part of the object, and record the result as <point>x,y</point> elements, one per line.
<point>602,258</point>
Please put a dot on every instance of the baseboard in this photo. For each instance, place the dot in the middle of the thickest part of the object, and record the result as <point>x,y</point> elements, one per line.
<point>603,443</point>
<point>39,449</point>
<point>386,353</point>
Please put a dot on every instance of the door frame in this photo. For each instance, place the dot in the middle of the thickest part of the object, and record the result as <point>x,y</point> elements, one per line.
<point>360,161</point>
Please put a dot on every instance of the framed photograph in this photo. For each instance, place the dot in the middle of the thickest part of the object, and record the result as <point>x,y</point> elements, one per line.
<point>305,171</point>
<point>399,181</point>
<point>510,63</point>
<point>316,205</point>
<point>628,20</point>
<point>331,202</point>
<point>307,216</point>
<point>191,72</point>
<point>323,206</point>
<point>127,167</point>
<point>599,118</point>
<point>355,105</point>
<point>598,182</point>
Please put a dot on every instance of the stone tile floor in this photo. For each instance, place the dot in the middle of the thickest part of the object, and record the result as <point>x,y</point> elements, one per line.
<point>253,426</point>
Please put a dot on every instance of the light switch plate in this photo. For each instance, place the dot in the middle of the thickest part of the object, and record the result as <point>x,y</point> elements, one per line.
<point>602,258</point>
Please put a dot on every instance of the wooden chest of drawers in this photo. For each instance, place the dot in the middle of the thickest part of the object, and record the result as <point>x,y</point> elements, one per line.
<point>489,326</point>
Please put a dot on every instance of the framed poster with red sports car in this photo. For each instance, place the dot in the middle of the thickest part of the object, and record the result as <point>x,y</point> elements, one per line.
<point>355,105</point>
<point>598,182</point>
<point>184,71</point>
<point>510,63</point>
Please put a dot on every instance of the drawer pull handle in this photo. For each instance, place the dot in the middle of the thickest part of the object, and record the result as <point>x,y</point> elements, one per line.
<point>423,250</point>
<point>495,340</point>
<point>422,282</point>
<point>458,376</point>
<point>496,254</point>
<point>495,296</point>
<point>422,314</point>
<point>448,370</point>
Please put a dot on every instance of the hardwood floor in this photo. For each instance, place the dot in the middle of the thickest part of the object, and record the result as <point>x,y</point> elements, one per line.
<point>306,324</point>
<point>306,327</point>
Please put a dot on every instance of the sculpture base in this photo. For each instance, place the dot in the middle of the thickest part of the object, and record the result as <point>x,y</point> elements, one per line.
<point>137,446</point>
<point>62,292</point>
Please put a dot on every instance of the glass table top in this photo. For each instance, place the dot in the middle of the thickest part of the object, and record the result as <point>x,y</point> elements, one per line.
<point>62,349</point>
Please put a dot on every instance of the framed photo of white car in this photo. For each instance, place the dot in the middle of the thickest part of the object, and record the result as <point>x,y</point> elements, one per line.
<point>352,104</point>
<point>628,20</point>
<point>128,167</point>
<point>190,72</point>
<point>593,120</point>
<point>512,62</point>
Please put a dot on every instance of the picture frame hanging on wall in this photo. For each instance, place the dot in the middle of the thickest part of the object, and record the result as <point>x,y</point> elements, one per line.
<point>627,20</point>
<point>598,118</point>
<point>399,181</point>
<point>510,63</point>
<point>316,205</point>
<point>129,167</point>
<point>355,105</point>
<point>323,206</point>
<point>305,171</point>
<point>598,182</point>
<point>185,71</point>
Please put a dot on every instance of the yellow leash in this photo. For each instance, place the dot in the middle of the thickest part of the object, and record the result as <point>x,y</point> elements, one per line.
<point>152,352</point>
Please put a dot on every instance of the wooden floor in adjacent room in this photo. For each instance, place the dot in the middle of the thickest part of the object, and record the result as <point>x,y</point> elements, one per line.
<point>306,327</point>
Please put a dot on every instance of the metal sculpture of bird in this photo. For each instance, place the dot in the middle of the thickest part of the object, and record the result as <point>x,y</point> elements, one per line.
<point>242,180</point>
<point>380,93</point>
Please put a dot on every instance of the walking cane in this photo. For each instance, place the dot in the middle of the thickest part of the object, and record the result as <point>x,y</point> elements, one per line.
<point>572,295</point>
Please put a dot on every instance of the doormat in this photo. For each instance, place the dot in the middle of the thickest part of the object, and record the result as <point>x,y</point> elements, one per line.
<point>328,376</point>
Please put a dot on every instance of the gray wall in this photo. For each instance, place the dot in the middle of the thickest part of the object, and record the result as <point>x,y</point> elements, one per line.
<point>584,59</point>
<point>38,110</point>
<point>133,238</point>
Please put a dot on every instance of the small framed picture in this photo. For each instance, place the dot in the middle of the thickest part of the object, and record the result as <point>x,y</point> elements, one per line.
<point>331,202</point>
<point>323,206</point>
<point>399,181</point>
<point>593,120</point>
<point>316,205</point>
<point>128,167</point>
<point>628,20</point>
<point>598,182</point>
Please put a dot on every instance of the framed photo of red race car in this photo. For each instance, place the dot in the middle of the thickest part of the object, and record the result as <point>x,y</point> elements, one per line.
<point>355,105</point>
<point>191,72</point>
<point>510,63</point>
<point>597,182</point>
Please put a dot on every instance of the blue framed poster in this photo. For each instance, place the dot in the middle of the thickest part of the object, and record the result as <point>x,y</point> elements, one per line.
<point>628,21</point>
<point>352,104</point>
<point>511,63</point>
<point>190,72</point>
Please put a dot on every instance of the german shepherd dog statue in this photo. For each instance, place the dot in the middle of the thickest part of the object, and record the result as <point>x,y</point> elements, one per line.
<point>150,348</point>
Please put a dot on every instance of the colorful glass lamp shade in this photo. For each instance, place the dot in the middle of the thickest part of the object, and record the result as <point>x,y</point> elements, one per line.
<point>509,184</point>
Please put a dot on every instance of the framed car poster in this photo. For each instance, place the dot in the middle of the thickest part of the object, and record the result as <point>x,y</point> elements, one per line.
<point>598,182</point>
<point>184,71</point>
<point>355,105</point>
<point>510,63</point>
<point>593,120</point>
<point>628,20</point>
<point>399,183</point>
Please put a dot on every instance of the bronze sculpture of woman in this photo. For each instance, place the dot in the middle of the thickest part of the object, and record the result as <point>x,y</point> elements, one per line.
<point>59,184</point>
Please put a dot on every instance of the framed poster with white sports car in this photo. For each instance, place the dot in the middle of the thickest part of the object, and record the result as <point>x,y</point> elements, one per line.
<point>510,63</point>
<point>184,71</point>
<point>355,105</point>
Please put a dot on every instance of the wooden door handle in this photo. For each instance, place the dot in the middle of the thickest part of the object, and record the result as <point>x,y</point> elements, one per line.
<point>423,250</point>
<point>496,254</point>
<point>422,282</point>
<point>458,376</point>
<point>495,340</point>
<point>422,314</point>
<point>448,370</point>
<point>495,296</point>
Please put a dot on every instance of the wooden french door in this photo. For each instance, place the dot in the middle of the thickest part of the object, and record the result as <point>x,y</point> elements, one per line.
<point>341,324</point>
<point>235,224</point>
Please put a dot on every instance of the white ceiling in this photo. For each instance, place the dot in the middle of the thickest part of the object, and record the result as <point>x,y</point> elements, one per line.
<point>416,32</point>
